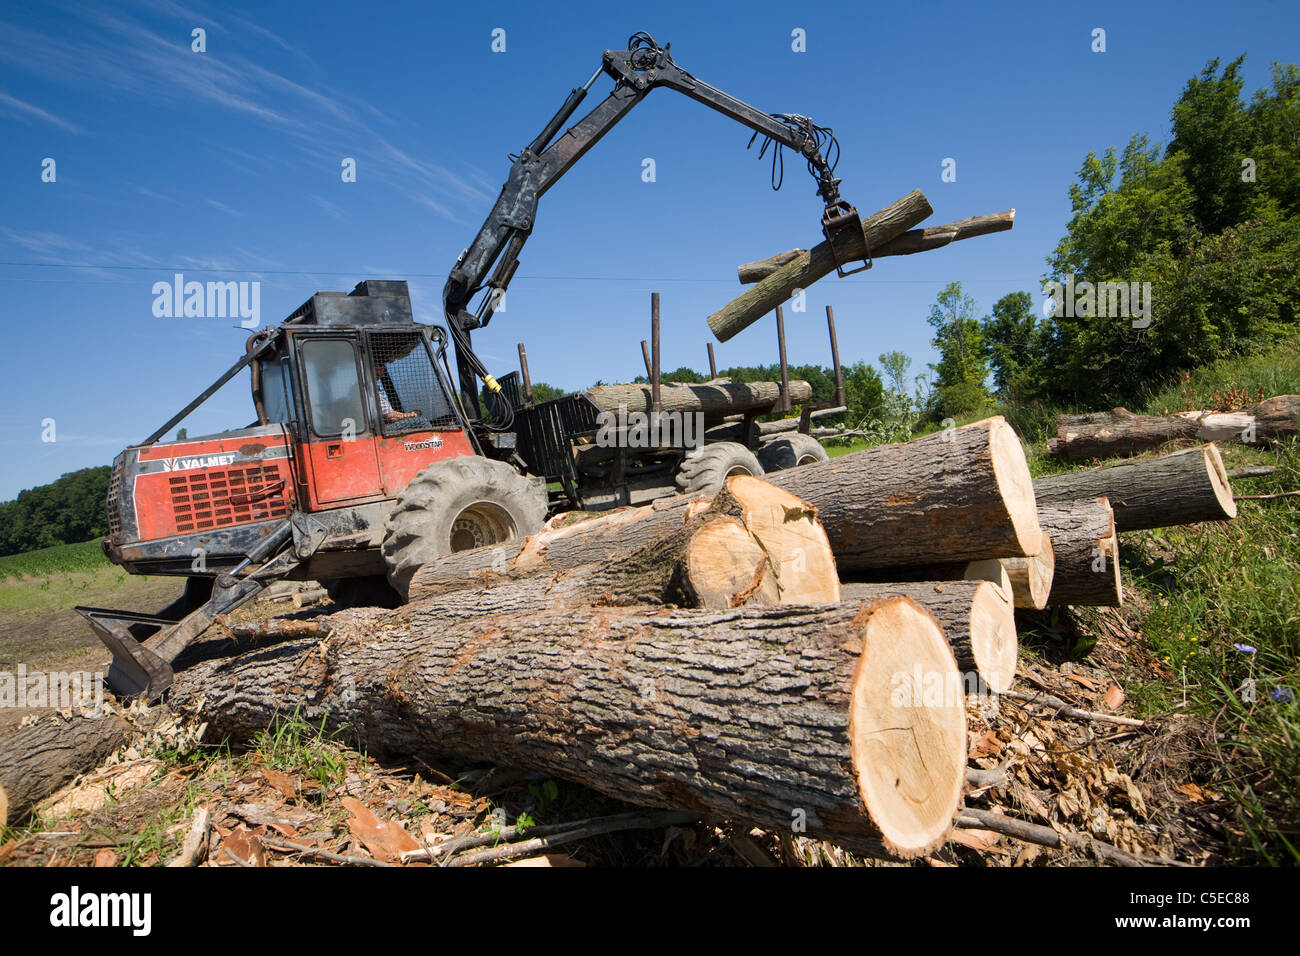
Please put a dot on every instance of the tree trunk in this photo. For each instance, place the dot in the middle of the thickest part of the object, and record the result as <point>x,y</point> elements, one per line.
<point>1182,488</point>
<point>751,543</point>
<point>1031,577</point>
<point>1086,553</point>
<point>986,569</point>
<point>978,622</point>
<point>806,268</point>
<point>912,241</point>
<point>1119,433</point>
<point>780,717</point>
<point>38,759</point>
<point>962,494</point>
<point>714,401</point>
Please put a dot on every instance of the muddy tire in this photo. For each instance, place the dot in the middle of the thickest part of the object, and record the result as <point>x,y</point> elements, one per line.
<point>467,502</point>
<point>370,591</point>
<point>791,452</point>
<point>713,464</point>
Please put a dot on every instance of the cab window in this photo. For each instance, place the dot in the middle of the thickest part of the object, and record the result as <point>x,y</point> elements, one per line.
<point>333,387</point>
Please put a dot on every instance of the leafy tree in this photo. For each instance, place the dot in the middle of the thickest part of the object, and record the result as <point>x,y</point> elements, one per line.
<point>1015,342</point>
<point>963,366</point>
<point>545,393</point>
<point>65,511</point>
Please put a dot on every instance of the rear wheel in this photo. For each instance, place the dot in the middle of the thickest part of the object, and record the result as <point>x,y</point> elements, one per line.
<point>791,451</point>
<point>455,505</point>
<point>705,469</point>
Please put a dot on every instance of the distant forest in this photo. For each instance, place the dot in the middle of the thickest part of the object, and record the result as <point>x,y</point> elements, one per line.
<point>65,511</point>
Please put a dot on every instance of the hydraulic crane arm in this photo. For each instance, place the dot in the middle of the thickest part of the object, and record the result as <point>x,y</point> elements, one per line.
<point>636,71</point>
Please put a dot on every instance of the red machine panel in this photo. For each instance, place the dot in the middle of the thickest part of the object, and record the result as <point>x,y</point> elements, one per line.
<point>194,486</point>
<point>402,457</point>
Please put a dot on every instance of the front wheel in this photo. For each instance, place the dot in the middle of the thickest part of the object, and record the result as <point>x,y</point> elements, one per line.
<point>791,451</point>
<point>456,505</point>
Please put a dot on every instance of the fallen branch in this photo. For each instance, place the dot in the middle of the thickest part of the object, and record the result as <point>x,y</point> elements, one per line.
<point>1046,836</point>
<point>316,853</point>
<point>1065,710</point>
<point>595,827</point>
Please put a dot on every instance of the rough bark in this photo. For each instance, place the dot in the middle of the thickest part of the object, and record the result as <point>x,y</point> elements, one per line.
<point>714,401</point>
<point>767,715</point>
<point>750,543</point>
<point>912,241</point>
<point>1031,577</point>
<point>806,268</point>
<point>36,760</point>
<point>1182,488</point>
<point>978,622</point>
<point>1119,433</point>
<point>963,494</point>
<point>1086,553</point>
<point>987,569</point>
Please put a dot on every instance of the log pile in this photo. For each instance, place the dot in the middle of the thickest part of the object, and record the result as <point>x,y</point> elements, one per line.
<point>791,650</point>
<point>1119,433</point>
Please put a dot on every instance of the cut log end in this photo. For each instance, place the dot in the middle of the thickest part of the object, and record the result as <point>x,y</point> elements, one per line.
<point>993,640</point>
<point>1218,476</point>
<point>908,750</point>
<point>1011,470</point>
<point>725,567</point>
<point>1031,577</point>
<point>787,528</point>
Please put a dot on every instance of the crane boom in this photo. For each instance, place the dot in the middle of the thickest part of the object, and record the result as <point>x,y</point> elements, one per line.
<point>489,263</point>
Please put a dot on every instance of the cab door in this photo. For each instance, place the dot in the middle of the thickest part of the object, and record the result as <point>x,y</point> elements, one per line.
<point>339,447</point>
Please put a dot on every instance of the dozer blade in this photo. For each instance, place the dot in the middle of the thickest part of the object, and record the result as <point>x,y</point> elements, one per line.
<point>135,670</point>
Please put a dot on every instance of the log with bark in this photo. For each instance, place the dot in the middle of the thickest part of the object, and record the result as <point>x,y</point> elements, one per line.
<point>807,267</point>
<point>38,759</point>
<point>1086,552</point>
<point>751,543</point>
<point>978,622</point>
<point>987,569</point>
<point>963,494</point>
<point>1182,488</point>
<point>713,401</point>
<point>1119,433</point>
<point>1031,577</point>
<point>912,241</point>
<point>776,716</point>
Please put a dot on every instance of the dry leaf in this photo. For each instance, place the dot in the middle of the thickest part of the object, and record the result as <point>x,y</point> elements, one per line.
<point>550,859</point>
<point>105,857</point>
<point>1114,698</point>
<point>386,841</point>
<point>282,782</point>
<point>245,847</point>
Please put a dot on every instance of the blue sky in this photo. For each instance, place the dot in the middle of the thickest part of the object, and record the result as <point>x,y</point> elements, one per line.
<point>225,165</point>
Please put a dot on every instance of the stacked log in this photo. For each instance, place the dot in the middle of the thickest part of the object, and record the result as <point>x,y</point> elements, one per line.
<point>1185,487</point>
<point>1086,553</point>
<point>714,400</point>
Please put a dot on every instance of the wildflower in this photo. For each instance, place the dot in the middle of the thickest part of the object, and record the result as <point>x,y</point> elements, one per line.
<point>1282,695</point>
<point>1244,648</point>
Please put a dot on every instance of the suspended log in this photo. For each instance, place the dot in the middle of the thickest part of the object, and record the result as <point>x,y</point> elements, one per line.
<point>806,268</point>
<point>36,760</point>
<point>1086,552</point>
<point>1031,577</point>
<point>1119,433</point>
<point>771,716</point>
<point>749,543</point>
<point>912,241</point>
<point>962,494</point>
<point>713,401</point>
<point>987,569</point>
<point>978,622</point>
<point>1182,488</point>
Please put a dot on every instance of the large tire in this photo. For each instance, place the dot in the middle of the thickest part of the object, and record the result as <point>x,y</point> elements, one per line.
<point>791,451</point>
<point>467,502</point>
<point>706,468</point>
<point>370,591</point>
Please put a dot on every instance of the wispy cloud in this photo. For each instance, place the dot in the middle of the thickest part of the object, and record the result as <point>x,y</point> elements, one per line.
<point>27,109</point>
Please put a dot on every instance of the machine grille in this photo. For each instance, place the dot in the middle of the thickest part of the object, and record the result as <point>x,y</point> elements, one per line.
<point>114,502</point>
<point>202,500</point>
